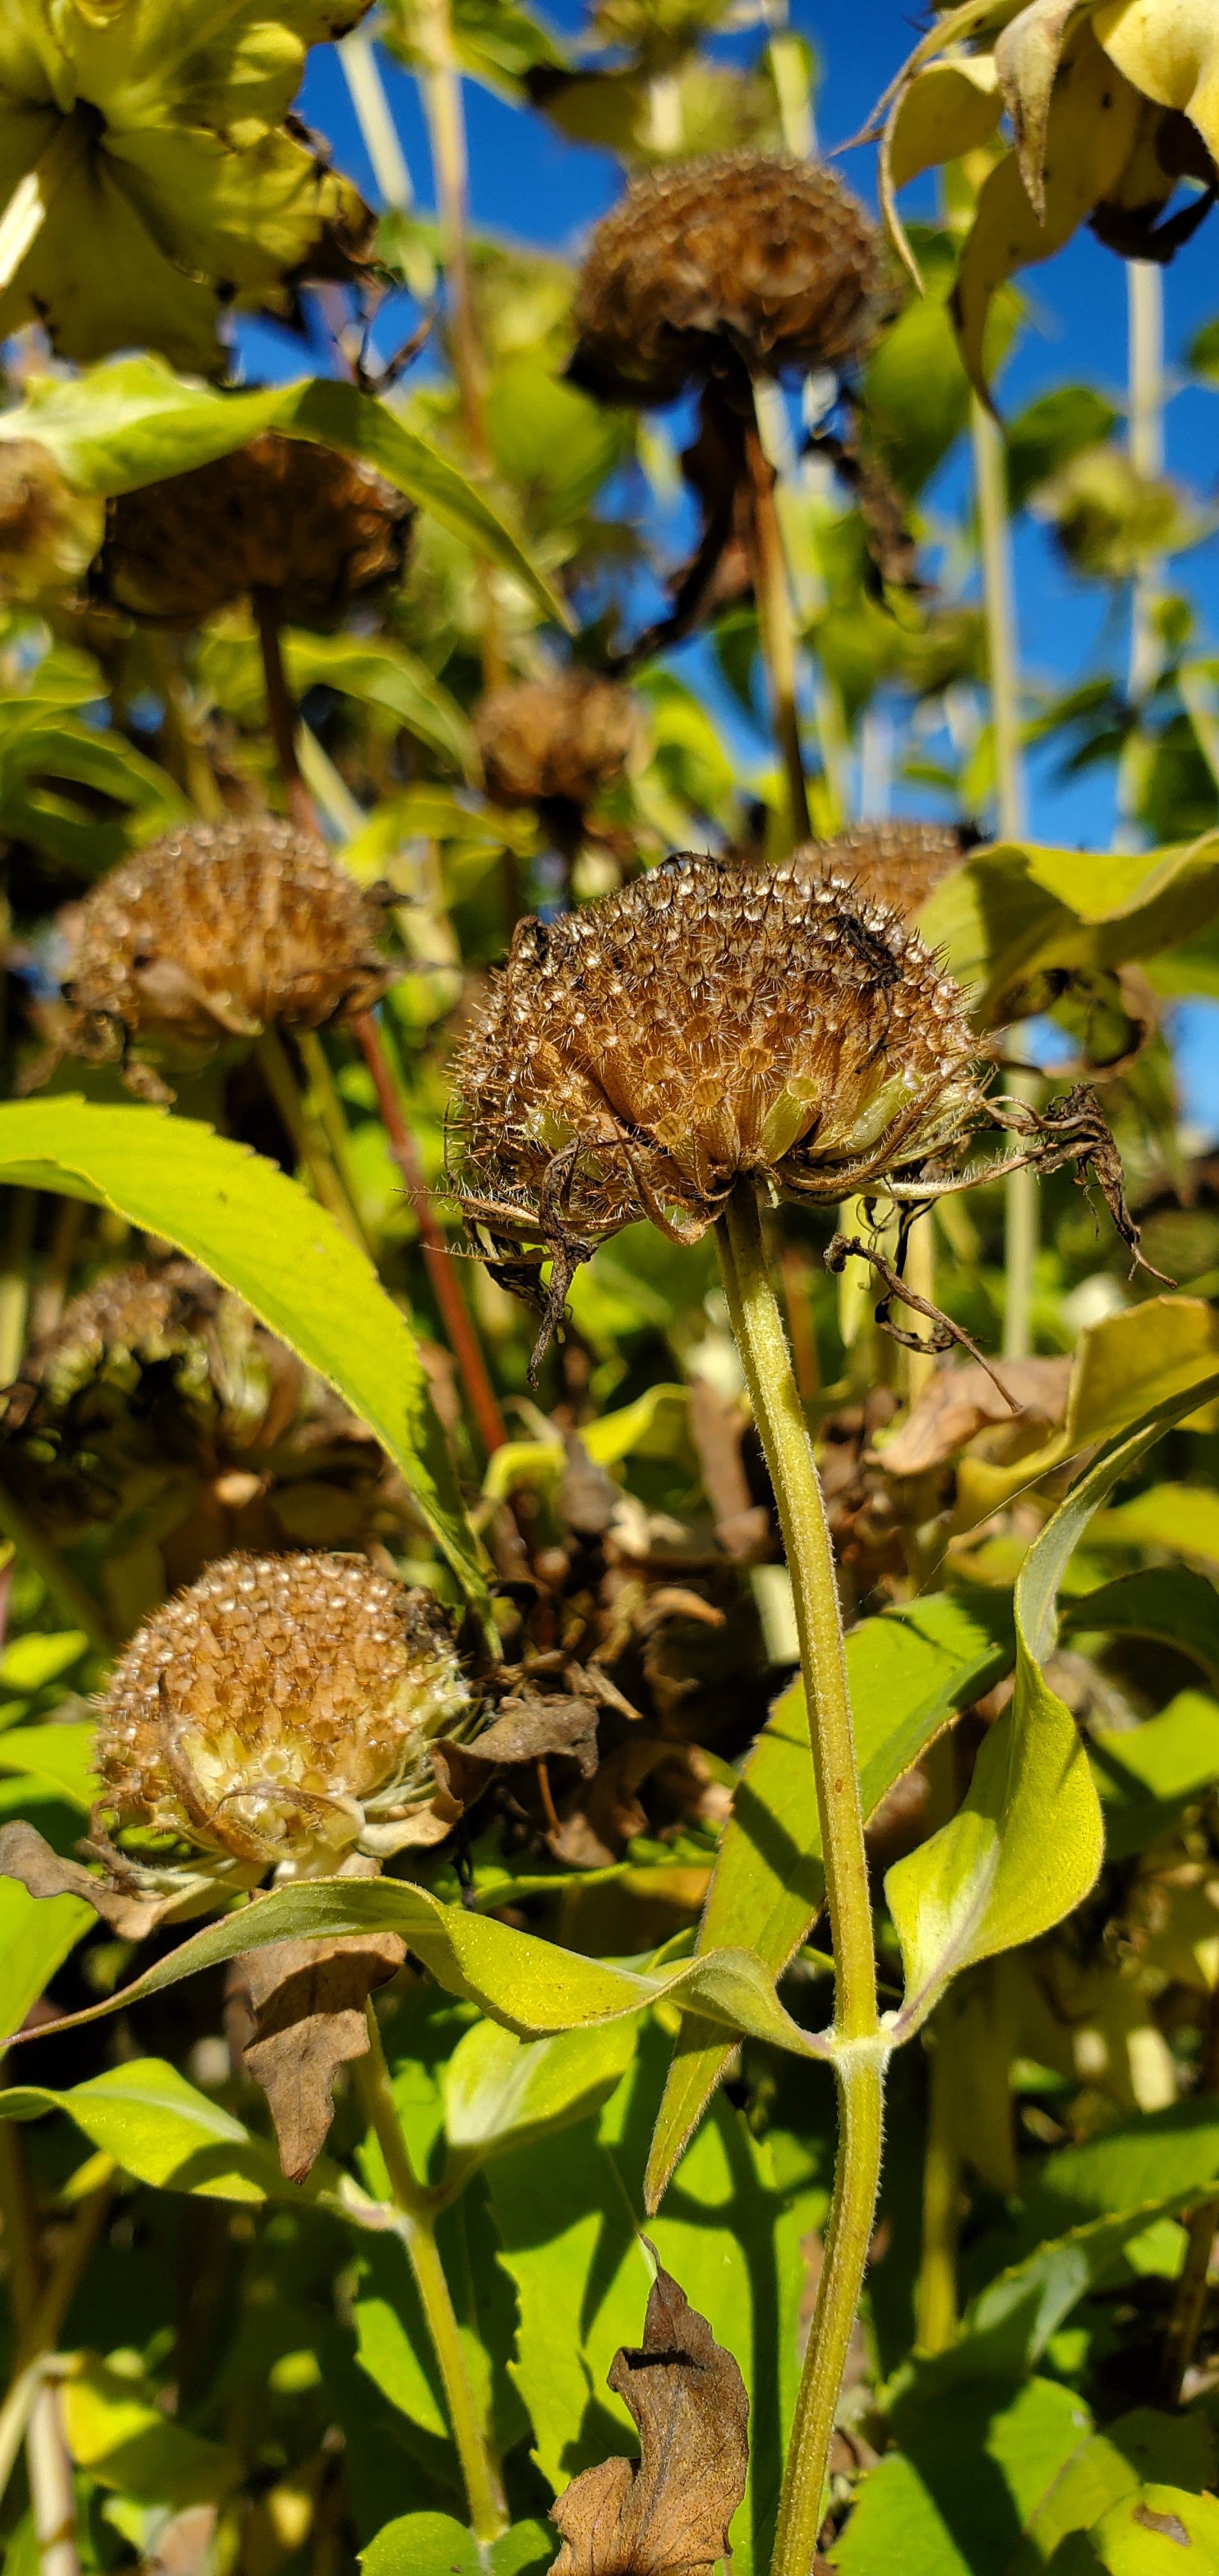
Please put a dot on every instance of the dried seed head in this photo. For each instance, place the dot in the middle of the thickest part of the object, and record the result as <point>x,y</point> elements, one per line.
<point>128,1320</point>
<point>636,1056</point>
<point>49,534</point>
<point>767,259</point>
<point>215,932</point>
<point>896,864</point>
<point>312,528</point>
<point>565,738</point>
<point>264,1712</point>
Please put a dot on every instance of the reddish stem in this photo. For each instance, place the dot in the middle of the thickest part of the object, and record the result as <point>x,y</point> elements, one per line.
<point>463,1340</point>
<point>281,713</point>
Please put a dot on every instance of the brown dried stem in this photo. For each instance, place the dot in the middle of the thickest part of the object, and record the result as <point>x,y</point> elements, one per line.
<point>281,713</point>
<point>458,1324</point>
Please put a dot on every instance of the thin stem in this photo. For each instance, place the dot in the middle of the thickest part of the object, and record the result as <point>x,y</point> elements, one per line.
<point>183,747</point>
<point>919,1367</point>
<point>417,2208</point>
<point>30,2409</point>
<point>455,1316</point>
<point>859,2065</point>
<point>1145,293</point>
<point>777,627</point>
<point>935,2307</point>
<point>1003,656</point>
<point>307,1139</point>
<point>327,1108</point>
<point>15,1280</point>
<point>78,1607</point>
<point>1189,2299</point>
<point>445,111</point>
<point>358,56</point>
<point>281,712</point>
<point>50,1296</point>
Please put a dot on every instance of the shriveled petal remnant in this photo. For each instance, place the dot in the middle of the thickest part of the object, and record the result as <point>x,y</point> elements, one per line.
<point>313,529</point>
<point>565,738</point>
<point>896,863</point>
<point>216,931</point>
<point>739,257</point>
<point>266,1711</point>
<point>637,1056</point>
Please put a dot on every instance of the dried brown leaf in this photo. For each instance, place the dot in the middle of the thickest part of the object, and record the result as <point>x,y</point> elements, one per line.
<point>307,1999</point>
<point>960,1402</point>
<point>666,2514</point>
<point>27,1857</point>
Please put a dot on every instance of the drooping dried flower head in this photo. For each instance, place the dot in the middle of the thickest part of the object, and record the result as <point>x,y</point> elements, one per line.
<point>741,257</point>
<point>279,1711</point>
<point>215,932</point>
<point>637,1056</point>
<point>897,864</point>
<point>566,739</point>
<point>312,529</point>
<point>49,534</point>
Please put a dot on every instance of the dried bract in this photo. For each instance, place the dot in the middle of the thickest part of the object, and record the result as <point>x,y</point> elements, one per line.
<point>897,864</point>
<point>565,739</point>
<point>312,529</point>
<point>740,257</point>
<point>636,1057</point>
<point>216,932</point>
<point>279,1712</point>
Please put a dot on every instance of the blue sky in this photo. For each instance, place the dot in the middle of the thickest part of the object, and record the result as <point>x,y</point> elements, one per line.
<point>551,191</point>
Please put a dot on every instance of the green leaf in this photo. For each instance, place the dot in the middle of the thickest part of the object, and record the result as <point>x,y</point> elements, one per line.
<point>501,2091</point>
<point>1146,2534</point>
<point>992,1877</point>
<point>1049,432</point>
<point>552,441</point>
<point>36,1935</point>
<point>46,752</point>
<point>1109,2466</point>
<point>29,1663</point>
<point>373,669</point>
<point>134,421</point>
<point>60,1755</point>
<point>1169,1602</point>
<point>531,1985</point>
<point>160,2129</point>
<point>261,1235</point>
<point>1018,909</point>
<point>956,2497</point>
<point>432,2544</point>
<point>1171,2154</point>
<point>917,394</point>
<point>119,2435</point>
<point>1123,1368</point>
<point>1182,1518</point>
<point>909,1671</point>
<point>1146,1774</point>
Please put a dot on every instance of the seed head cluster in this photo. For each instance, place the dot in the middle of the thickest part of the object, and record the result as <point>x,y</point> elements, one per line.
<point>897,864</point>
<point>638,1055</point>
<point>129,1319</point>
<point>312,529</point>
<point>262,1712</point>
<point>215,932</point>
<point>768,260</point>
<point>567,738</point>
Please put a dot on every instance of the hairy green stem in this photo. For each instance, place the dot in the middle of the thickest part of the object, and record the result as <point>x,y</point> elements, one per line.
<point>777,628</point>
<point>417,2207</point>
<point>859,2066</point>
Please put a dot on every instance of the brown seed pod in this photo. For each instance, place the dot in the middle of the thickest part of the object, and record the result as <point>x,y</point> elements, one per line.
<point>636,1056</point>
<point>277,1710</point>
<point>565,739</point>
<point>745,256</point>
<point>898,864</point>
<point>215,932</point>
<point>312,529</point>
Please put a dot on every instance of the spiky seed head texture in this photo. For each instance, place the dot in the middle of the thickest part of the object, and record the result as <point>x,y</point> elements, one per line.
<point>707,1021</point>
<point>217,931</point>
<point>49,534</point>
<point>897,864</point>
<point>747,254</point>
<point>567,737</point>
<point>313,529</point>
<point>128,1319</point>
<point>259,1713</point>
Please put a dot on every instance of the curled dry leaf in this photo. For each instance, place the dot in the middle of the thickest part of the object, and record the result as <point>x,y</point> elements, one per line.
<point>27,1857</point>
<point>960,1402</point>
<point>666,2514</point>
<point>307,2001</point>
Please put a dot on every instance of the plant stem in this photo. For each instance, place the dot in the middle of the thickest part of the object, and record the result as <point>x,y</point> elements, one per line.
<point>15,1279</point>
<point>462,1338</point>
<point>358,56</point>
<point>183,746</point>
<point>859,2064</point>
<point>777,626</point>
<point>417,2208</point>
<point>327,1109</point>
<point>50,1296</point>
<point>920,1366</point>
<point>306,1136</point>
<point>935,2308</point>
<point>281,712</point>
<point>1189,2298</point>
<point>78,1607</point>
<point>1145,413</point>
<point>1003,656</point>
<point>442,99</point>
<point>30,2409</point>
